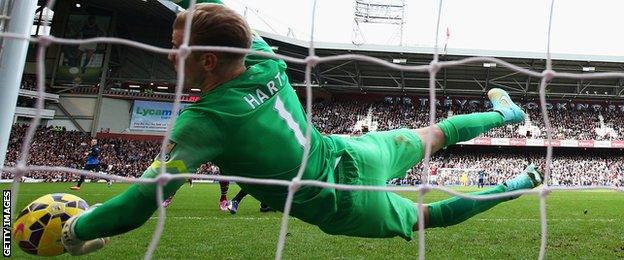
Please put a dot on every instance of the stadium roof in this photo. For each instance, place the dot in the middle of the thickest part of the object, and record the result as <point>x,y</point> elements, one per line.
<point>357,76</point>
<point>139,8</point>
<point>451,51</point>
<point>465,79</point>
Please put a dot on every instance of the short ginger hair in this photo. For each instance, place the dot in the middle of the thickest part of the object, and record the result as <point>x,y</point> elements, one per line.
<point>217,25</point>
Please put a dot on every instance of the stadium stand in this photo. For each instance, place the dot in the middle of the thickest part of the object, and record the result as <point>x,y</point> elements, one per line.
<point>28,83</point>
<point>571,168</point>
<point>54,146</point>
<point>567,124</point>
<point>354,114</point>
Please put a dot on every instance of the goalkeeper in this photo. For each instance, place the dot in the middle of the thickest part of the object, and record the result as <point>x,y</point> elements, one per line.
<point>250,123</point>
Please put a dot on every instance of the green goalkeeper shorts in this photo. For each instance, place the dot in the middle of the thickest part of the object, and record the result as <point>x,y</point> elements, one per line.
<point>372,159</point>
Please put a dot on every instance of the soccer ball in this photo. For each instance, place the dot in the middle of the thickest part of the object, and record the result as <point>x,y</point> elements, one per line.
<point>38,227</point>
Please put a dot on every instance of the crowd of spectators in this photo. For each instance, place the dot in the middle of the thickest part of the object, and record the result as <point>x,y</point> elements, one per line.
<point>340,117</point>
<point>29,83</point>
<point>55,146</point>
<point>572,169</point>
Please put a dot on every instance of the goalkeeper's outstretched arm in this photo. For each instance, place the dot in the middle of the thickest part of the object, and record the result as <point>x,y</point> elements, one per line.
<point>196,139</point>
<point>129,210</point>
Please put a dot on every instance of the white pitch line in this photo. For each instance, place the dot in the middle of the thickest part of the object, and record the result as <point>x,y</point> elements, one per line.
<point>90,194</point>
<point>220,218</point>
<point>550,219</point>
<point>477,219</point>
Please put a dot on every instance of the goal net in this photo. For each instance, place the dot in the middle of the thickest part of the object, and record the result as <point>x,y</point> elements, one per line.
<point>293,185</point>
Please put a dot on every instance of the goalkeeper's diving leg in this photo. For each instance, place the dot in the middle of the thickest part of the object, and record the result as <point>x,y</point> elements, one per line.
<point>456,210</point>
<point>463,128</point>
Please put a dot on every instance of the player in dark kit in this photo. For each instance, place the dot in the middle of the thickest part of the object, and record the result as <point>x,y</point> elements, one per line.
<point>92,162</point>
<point>233,205</point>
<point>481,178</point>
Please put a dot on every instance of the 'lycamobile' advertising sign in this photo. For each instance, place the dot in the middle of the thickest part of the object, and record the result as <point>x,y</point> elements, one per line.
<point>151,115</point>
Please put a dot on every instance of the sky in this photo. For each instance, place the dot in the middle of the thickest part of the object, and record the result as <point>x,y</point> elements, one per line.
<point>579,27</point>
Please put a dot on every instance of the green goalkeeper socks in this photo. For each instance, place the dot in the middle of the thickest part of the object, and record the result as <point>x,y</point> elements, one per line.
<point>455,210</point>
<point>466,127</point>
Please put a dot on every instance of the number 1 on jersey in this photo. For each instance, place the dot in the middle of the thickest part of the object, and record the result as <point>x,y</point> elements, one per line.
<point>290,121</point>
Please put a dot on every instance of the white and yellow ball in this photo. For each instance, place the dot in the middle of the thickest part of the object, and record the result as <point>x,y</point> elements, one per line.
<point>38,227</point>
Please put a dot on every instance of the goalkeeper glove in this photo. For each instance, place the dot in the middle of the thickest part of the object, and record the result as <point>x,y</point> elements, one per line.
<point>75,246</point>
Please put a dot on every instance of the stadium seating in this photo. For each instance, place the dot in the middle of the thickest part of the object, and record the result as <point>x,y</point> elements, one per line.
<point>330,117</point>
<point>570,168</point>
<point>58,147</point>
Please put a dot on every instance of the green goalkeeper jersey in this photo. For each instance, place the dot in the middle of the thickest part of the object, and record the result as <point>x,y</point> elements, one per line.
<point>254,126</point>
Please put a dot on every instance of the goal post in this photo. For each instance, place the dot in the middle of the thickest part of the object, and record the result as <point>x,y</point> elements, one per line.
<point>12,62</point>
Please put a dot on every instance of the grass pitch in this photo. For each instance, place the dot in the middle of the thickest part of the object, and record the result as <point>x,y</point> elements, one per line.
<point>581,225</point>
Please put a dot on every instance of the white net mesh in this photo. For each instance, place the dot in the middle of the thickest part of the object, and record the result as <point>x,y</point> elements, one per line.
<point>295,183</point>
